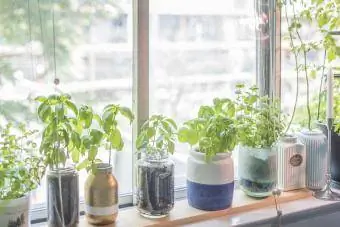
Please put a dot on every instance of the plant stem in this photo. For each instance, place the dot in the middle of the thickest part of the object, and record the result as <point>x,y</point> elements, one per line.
<point>110,154</point>
<point>305,69</point>
<point>296,68</point>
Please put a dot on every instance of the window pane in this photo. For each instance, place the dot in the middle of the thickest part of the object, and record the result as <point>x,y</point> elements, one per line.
<point>93,61</point>
<point>198,50</point>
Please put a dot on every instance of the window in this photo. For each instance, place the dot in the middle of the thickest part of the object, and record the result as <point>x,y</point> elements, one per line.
<point>93,61</point>
<point>198,50</point>
<point>196,54</point>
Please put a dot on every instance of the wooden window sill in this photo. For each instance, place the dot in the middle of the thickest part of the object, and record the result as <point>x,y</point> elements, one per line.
<point>183,214</point>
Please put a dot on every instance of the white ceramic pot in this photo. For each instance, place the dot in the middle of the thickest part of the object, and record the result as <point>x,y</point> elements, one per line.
<point>210,185</point>
<point>15,212</point>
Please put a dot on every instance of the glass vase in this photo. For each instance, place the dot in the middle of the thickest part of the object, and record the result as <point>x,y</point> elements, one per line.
<point>257,170</point>
<point>155,185</point>
<point>63,197</point>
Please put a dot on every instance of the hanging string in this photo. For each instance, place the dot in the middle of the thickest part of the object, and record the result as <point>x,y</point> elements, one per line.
<point>30,37</point>
<point>56,80</point>
<point>41,33</point>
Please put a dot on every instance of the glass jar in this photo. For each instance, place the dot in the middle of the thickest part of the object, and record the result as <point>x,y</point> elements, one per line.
<point>63,197</point>
<point>257,170</point>
<point>155,185</point>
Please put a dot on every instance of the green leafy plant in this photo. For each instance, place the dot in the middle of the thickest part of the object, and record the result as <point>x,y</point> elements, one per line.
<point>157,136</point>
<point>321,116</point>
<point>100,131</point>
<point>214,130</point>
<point>61,134</point>
<point>259,119</point>
<point>319,14</point>
<point>21,167</point>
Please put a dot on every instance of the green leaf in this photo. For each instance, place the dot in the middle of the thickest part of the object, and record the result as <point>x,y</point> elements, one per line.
<point>150,132</point>
<point>75,155</point>
<point>116,140</point>
<point>93,153</point>
<point>140,142</point>
<point>188,135</point>
<point>86,116</point>
<point>206,112</point>
<point>60,112</point>
<point>44,111</point>
<point>171,147</point>
<point>96,136</point>
<point>72,107</point>
<point>127,113</point>
<point>75,138</point>
<point>40,99</point>
<point>83,164</point>
<point>172,122</point>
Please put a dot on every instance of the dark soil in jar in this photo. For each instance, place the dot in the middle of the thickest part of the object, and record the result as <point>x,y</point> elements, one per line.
<point>257,187</point>
<point>70,199</point>
<point>155,189</point>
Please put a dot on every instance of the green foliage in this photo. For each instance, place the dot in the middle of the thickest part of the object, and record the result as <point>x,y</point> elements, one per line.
<point>61,134</point>
<point>157,135</point>
<point>100,131</point>
<point>300,113</point>
<point>214,130</point>
<point>21,167</point>
<point>259,119</point>
<point>325,17</point>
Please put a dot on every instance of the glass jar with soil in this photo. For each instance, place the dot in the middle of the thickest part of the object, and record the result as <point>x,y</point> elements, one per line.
<point>257,170</point>
<point>155,185</point>
<point>63,197</point>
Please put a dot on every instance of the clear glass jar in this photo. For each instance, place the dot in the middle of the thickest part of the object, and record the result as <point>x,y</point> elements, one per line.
<point>63,197</point>
<point>257,170</point>
<point>155,185</point>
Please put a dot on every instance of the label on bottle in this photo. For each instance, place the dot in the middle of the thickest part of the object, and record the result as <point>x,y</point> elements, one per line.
<point>101,211</point>
<point>296,160</point>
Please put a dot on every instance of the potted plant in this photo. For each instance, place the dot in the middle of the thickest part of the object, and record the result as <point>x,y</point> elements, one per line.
<point>101,186</point>
<point>323,14</point>
<point>21,170</point>
<point>260,124</point>
<point>210,169</point>
<point>155,170</point>
<point>60,143</point>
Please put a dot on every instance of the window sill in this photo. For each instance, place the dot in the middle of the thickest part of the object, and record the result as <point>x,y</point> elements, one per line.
<point>183,214</point>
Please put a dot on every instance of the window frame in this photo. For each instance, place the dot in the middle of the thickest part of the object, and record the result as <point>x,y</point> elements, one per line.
<point>140,88</point>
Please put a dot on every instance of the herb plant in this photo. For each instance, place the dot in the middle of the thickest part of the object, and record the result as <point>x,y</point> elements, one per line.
<point>319,14</point>
<point>21,167</point>
<point>100,131</point>
<point>61,135</point>
<point>157,136</point>
<point>214,130</point>
<point>259,119</point>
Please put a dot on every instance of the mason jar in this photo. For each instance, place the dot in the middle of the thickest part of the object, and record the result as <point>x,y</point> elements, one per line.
<point>101,196</point>
<point>63,197</point>
<point>257,170</point>
<point>155,185</point>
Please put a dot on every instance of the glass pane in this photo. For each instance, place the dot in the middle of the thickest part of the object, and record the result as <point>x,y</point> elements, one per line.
<point>93,52</point>
<point>199,50</point>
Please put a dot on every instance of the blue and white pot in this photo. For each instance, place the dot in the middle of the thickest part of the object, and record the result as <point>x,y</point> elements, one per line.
<point>210,184</point>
